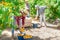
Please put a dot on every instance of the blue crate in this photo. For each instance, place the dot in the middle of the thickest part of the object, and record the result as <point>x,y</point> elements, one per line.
<point>20,38</point>
<point>28,39</point>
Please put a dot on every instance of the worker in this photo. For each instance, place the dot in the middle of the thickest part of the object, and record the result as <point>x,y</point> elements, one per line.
<point>40,14</point>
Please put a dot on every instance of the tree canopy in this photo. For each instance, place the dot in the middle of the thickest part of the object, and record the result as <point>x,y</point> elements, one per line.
<point>9,7</point>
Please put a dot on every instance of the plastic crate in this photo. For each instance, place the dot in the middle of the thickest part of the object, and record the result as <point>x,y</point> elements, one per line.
<point>20,38</point>
<point>28,39</point>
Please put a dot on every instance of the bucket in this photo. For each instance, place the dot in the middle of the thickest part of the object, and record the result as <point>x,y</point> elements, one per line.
<point>20,38</point>
<point>35,25</point>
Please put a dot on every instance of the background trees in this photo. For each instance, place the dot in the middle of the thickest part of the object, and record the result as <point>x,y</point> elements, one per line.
<point>9,7</point>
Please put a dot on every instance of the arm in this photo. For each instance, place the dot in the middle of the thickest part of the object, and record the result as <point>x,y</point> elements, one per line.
<point>36,7</point>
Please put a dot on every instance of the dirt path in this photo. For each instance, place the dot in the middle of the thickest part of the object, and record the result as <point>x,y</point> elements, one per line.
<point>42,33</point>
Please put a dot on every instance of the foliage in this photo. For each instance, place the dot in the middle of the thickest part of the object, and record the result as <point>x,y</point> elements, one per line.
<point>0,32</point>
<point>9,7</point>
<point>53,10</point>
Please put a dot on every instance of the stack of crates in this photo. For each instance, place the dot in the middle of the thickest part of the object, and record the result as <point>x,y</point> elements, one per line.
<point>24,37</point>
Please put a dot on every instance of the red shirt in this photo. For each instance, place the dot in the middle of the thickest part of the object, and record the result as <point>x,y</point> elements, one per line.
<point>18,19</point>
<point>23,18</point>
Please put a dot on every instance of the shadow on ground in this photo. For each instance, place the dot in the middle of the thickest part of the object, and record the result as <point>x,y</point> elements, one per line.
<point>4,37</point>
<point>36,38</point>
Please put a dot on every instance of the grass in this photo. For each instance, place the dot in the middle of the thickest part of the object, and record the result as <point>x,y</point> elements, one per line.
<point>0,32</point>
